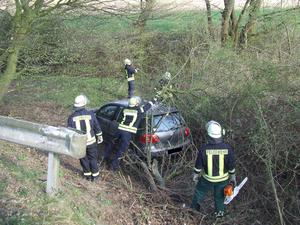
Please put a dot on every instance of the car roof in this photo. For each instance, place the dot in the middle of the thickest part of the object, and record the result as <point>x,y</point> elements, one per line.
<point>158,108</point>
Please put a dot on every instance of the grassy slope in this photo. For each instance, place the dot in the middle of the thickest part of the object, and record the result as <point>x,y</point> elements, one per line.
<point>23,173</point>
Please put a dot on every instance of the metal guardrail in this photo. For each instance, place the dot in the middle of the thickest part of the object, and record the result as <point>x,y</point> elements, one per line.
<point>55,140</point>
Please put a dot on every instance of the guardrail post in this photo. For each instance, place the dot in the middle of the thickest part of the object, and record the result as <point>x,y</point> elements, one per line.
<point>55,140</point>
<point>53,173</point>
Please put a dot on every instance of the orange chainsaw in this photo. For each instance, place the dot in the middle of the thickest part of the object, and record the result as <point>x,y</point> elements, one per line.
<point>230,192</point>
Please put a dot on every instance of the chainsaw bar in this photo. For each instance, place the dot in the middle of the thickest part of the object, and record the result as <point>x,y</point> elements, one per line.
<point>236,190</point>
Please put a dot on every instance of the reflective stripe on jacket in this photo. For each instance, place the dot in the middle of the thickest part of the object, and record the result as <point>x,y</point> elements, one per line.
<point>216,160</point>
<point>129,73</point>
<point>86,121</point>
<point>133,116</point>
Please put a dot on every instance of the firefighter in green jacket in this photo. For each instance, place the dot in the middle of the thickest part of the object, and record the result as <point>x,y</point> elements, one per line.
<point>216,163</point>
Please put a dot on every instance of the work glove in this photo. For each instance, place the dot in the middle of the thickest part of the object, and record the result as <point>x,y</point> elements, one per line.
<point>99,139</point>
<point>232,179</point>
<point>196,177</point>
<point>137,69</point>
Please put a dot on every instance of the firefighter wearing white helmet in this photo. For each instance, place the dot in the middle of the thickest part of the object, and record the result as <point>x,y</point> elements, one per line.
<point>129,74</point>
<point>132,116</point>
<point>86,121</point>
<point>216,163</point>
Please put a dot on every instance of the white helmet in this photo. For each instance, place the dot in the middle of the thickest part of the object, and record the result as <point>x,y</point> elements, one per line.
<point>214,129</point>
<point>80,102</point>
<point>167,75</point>
<point>134,102</point>
<point>127,62</point>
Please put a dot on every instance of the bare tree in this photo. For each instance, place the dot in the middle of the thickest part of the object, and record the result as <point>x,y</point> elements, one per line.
<point>24,15</point>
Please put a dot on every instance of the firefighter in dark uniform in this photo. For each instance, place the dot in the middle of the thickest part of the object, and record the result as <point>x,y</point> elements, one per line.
<point>86,121</point>
<point>215,161</point>
<point>132,116</point>
<point>129,74</point>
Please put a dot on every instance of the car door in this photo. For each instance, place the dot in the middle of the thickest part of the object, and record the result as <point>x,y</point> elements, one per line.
<point>105,117</point>
<point>116,121</point>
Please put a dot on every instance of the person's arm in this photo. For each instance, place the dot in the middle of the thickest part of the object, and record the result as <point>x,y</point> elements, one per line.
<point>148,105</point>
<point>130,70</point>
<point>231,168</point>
<point>198,167</point>
<point>98,131</point>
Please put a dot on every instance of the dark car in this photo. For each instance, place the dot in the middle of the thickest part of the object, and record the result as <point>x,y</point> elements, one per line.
<point>170,135</point>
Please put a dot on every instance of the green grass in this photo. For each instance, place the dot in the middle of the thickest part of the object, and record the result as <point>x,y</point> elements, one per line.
<point>62,90</point>
<point>23,198</point>
<point>167,21</point>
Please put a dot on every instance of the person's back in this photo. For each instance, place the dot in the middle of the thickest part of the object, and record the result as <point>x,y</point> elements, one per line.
<point>131,119</point>
<point>86,121</point>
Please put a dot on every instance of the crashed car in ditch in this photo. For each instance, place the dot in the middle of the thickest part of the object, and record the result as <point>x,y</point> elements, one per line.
<point>170,135</point>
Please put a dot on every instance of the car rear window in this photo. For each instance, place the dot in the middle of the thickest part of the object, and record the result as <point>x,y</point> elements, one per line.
<point>163,123</point>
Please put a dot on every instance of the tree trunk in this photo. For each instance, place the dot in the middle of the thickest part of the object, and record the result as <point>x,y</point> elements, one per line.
<point>146,10</point>
<point>250,26</point>
<point>226,19</point>
<point>209,19</point>
<point>21,23</point>
<point>236,27</point>
<point>9,73</point>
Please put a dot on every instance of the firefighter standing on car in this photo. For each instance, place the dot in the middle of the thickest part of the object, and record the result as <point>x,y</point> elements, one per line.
<point>86,121</point>
<point>129,74</point>
<point>132,116</point>
<point>215,161</point>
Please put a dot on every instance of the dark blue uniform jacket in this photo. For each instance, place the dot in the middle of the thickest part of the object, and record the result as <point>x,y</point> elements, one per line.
<point>86,121</point>
<point>216,158</point>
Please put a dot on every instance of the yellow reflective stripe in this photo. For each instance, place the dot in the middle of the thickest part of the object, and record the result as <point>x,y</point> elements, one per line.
<point>92,141</point>
<point>86,118</point>
<point>127,128</point>
<point>197,170</point>
<point>142,110</point>
<point>88,131</point>
<point>221,165</point>
<point>87,174</point>
<point>151,103</point>
<point>77,124</point>
<point>210,165</point>
<point>133,113</point>
<point>82,117</point>
<point>231,171</point>
<point>95,174</point>
<point>99,134</point>
<point>216,178</point>
<point>130,78</point>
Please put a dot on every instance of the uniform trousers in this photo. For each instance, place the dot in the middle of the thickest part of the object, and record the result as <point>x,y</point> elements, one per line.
<point>89,162</point>
<point>125,138</point>
<point>203,187</point>
<point>130,88</point>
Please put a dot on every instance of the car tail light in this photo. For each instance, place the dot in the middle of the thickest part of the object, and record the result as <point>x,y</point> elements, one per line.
<point>186,132</point>
<point>155,138</point>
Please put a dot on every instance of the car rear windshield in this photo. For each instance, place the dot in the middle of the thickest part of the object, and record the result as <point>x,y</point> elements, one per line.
<point>165,122</point>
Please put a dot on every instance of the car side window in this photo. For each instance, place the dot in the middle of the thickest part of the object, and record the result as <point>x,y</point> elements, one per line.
<point>108,112</point>
<point>120,115</point>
